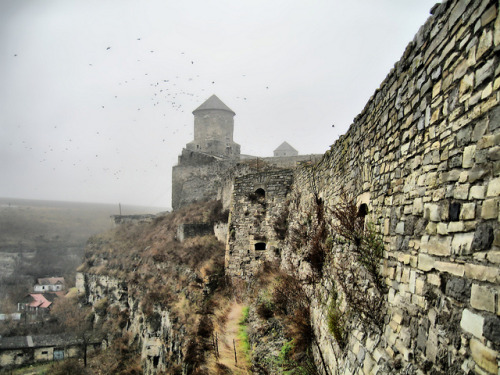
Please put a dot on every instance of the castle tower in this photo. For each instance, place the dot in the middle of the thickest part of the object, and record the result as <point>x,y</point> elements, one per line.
<point>213,130</point>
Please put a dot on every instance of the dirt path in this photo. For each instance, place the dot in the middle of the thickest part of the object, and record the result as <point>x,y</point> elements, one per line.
<point>226,337</point>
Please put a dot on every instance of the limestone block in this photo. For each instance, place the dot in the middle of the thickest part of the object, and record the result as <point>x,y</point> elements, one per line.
<point>461,191</point>
<point>493,257</point>
<point>452,268</point>
<point>493,188</point>
<point>487,91</point>
<point>482,273</point>
<point>442,229</point>
<point>432,212</point>
<point>468,211</point>
<point>434,279</point>
<point>456,226</point>
<point>472,323</point>
<point>420,286</point>
<point>489,209</point>
<point>489,15</point>
<point>461,243</point>
<point>468,156</point>
<point>485,42</point>
<point>477,192</point>
<point>425,262</point>
<point>400,227</point>
<point>482,298</point>
<point>431,228</point>
<point>437,245</point>
<point>466,83</point>
<point>484,357</point>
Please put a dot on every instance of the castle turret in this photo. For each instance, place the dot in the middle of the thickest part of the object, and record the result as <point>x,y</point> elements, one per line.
<point>213,130</point>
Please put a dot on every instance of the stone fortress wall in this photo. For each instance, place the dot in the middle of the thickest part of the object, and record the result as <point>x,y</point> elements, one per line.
<point>424,155</point>
<point>208,164</point>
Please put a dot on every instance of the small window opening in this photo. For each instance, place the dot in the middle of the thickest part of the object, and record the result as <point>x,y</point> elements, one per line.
<point>363,210</point>
<point>156,361</point>
<point>260,193</point>
<point>260,246</point>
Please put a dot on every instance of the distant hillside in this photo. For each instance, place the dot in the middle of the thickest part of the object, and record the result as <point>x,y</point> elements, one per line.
<point>47,238</point>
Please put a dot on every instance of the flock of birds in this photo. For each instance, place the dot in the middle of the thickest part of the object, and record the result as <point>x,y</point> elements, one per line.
<point>166,94</point>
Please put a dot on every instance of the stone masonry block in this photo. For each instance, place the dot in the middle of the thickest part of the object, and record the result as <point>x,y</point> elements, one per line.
<point>483,237</point>
<point>432,212</point>
<point>468,211</point>
<point>437,245</point>
<point>482,273</point>
<point>458,288</point>
<point>484,357</point>
<point>425,262</point>
<point>477,192</point>
<point>493,188</point>
<point>472,323</point>
<point>489,209</point>
<point>482,298</point>
<point>461,243</point>
<point>452,268</point>
<point>468,156</point>
<point>461,191</point>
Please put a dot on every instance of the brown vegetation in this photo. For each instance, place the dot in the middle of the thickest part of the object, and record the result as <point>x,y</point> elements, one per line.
<point>164,273</point>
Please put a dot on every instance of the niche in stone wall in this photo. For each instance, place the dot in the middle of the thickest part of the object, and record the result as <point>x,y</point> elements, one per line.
<point>363,210</point>
<point>260,246</point>
<point>260,193</point>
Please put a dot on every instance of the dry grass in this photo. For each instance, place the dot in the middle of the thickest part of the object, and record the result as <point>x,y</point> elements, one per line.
<point>164,273</point>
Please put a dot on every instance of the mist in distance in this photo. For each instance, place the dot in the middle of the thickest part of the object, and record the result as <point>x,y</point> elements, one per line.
<point>96,97</point>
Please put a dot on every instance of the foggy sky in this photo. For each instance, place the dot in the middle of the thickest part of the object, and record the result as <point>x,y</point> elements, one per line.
<point>96,95</point>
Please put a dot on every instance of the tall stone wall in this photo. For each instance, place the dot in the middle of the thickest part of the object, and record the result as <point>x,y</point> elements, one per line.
<point>424,155</point>
<point>257,203</point>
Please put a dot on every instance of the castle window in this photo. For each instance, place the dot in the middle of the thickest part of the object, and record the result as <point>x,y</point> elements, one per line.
<point>260,193</point>
<point>260,246</point>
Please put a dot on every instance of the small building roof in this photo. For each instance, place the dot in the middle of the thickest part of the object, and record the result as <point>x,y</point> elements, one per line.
<point>50,281</point>
<point>214,103</point>
<point>37,300</point>
<point>41,341</point>
<point>285,146</point>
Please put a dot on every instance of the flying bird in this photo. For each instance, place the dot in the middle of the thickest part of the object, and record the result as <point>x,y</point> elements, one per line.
<point>108,48</point>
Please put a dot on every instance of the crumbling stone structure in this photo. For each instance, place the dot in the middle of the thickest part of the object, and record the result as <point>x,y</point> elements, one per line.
<point>258,201</point>
<point>424,156</point>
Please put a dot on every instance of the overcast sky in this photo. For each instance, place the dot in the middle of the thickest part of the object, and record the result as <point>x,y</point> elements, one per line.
<point>96,95</point>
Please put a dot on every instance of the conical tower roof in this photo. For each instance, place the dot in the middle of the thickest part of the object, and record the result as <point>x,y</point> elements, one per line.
<point>214,103</point>
<point>285,146</point>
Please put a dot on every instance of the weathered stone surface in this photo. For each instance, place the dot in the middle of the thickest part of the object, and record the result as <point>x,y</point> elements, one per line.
<point>493,188</point>
<point>491,329</point>
<point>482,298</point>
<point>483,237</point>
<point>437,245</point>
<point>458,288</point>
<point>484,356</point>
<point>472,323</point>
<point>461,243</point>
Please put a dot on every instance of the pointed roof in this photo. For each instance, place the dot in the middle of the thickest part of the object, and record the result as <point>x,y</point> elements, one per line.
<point>214,103</point>
<point>285,146</point>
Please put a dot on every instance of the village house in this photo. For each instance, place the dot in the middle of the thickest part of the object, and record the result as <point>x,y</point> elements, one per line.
<point>37,304</point>
<point>49,284</point>
<point>22,350</point>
